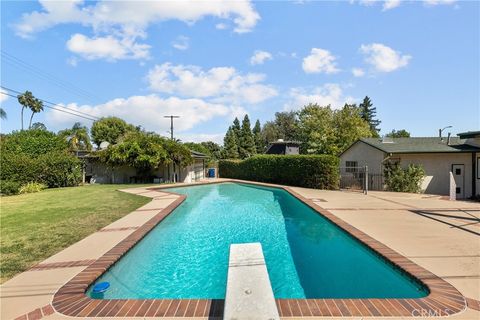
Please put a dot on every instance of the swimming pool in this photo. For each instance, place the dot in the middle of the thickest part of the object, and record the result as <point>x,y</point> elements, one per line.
<point>186,255</point>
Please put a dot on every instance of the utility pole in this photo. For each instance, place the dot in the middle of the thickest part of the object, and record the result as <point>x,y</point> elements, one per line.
<point>171,137</point>
<point>171,124</point>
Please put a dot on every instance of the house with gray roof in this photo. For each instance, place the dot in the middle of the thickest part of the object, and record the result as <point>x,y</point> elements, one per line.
<point>438,156</point>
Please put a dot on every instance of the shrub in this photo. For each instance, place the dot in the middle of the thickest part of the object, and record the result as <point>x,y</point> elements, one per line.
<point>312,171</point>
<point>403,180</point>
<point>38,156</point>
<point>8,187</point>
<point>32,187</point>
<point>59,169</point>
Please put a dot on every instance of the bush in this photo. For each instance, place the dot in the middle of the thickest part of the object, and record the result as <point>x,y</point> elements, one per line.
<point>38,156</point>
<point>403,180</point>
<point>32,187</point>
<point>311,171</point>
<point>59,169</point>
<point>9,188</point>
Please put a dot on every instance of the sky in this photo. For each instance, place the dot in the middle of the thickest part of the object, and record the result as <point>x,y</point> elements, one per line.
<point>211,61</point>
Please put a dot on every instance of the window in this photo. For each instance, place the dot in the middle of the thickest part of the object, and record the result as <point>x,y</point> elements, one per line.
<point>458,171</point>
<point>351,166</point>
<point>458,190</point>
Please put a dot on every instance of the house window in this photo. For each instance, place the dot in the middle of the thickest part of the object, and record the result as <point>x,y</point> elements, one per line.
<point>351,166</point>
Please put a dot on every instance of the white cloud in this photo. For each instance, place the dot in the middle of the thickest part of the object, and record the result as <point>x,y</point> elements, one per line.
<point>438,2</point>
<point>320,61</point>
<point>259,57</point>
<point>383,58</point>
<point>126,21</point>
<point>390,4</point>
<point>328,94</point>
<point>358,72</point>
<point>221,26</point>
<point>3,97</point>
<point>220,84</point>
<point>109,48</point>
<point>181,43</point>
<point>201,137</point>
<point>148,111</point>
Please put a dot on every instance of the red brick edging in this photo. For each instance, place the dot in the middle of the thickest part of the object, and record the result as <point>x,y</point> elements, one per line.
<point>71,300</point>
<point>38,313</point>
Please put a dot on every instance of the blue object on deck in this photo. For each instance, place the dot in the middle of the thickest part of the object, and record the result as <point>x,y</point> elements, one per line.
<point>211,173</point>
<point>101,287</point>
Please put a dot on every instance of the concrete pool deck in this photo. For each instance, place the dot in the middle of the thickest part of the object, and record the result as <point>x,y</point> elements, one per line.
<point>438,235</point>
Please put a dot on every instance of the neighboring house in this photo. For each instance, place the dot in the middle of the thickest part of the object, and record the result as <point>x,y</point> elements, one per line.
<point>98,172</point>
<point>438,156</point>
<point>283,147</point>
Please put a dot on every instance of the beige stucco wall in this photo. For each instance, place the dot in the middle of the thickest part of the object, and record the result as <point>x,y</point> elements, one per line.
<point>101,173</point>
<point>365,155</point>
<point>437,168</point>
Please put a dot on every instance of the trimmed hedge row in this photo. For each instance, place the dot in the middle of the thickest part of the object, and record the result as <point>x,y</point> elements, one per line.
<point>311,171</point>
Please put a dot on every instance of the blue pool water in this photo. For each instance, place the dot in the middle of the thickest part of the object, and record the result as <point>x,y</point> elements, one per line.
<point>186,255</point>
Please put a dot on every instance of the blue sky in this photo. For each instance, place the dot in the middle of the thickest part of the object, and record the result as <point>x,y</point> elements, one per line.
<point>211,61</point>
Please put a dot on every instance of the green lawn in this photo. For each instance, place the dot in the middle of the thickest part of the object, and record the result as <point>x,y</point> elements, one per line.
<point>38,225</point>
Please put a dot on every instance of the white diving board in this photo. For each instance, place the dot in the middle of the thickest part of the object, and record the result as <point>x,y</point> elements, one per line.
<point>249,292</point>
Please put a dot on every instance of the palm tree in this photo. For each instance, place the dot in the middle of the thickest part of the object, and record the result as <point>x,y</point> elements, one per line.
<point>36,107</point>
<point>3,114</point>
<point>77,137</point>
<point>26,100</point>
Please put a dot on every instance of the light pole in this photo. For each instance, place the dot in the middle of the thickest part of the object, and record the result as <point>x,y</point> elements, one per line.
<point>171,124</point>
<point>441,130</point>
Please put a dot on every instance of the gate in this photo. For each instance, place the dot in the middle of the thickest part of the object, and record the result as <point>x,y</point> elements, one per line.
<point>359,179</point>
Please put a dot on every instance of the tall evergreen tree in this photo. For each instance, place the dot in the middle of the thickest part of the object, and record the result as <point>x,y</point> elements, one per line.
<point>246,141</point>
<point>230,145</point>
<point>257,137</point>
<point>368,113</point>
<point>236,128</point>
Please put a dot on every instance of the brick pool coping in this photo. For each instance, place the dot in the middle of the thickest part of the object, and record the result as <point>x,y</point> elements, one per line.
<point>71,300</point>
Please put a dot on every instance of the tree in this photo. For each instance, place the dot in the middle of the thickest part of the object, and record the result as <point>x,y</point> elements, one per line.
<point>3,114</point>
<point>398,134</point>
<point>326,131</point>
<point>214,148</point>
<point>287,125</point>
<point>257,137</point>
<point>26,99</point>
<point>110,129</point>
<point>246,142</point>
<point>269,133</point>
<point>141,150</point>
<point>316,133</point>
<point>230,144</point>
<point>38,126</point>
<point>36,107</point>
<point>349,127</point>
<point>368,113</point>
<point>77,137</point>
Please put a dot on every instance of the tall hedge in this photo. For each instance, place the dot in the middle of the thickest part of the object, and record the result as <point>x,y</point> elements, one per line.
<point>38,156</point>
<point>312,171</point>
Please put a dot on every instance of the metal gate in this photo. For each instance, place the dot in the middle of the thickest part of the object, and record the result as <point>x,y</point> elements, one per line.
<point>359,179</point>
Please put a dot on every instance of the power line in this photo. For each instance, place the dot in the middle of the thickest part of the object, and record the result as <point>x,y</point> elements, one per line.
<point>19,63</point>
<point>50,107</point>
<point>55,104</point>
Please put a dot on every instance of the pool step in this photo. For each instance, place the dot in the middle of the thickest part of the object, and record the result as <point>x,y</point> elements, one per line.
<point>249,292</point>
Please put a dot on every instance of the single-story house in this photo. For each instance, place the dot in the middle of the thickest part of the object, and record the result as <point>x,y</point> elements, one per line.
<point>283,147</point>
<point>438,156</point>
<point>98,172</point>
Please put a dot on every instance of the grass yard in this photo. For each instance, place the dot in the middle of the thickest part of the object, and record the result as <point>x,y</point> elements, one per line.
<point>37,225</point>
